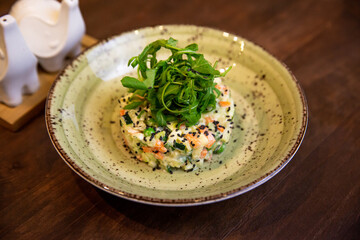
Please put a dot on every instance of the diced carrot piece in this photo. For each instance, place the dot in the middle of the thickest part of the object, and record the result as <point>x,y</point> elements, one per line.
<point>194,141</point>
<point>202,130</point>
<point>147,149</point>
<point>159,155</point>
<point>203,153</point>
<point>163,149</point>
<point>220,87</point>
<point>159,143</point>
<point>122,112</point>
<point>208,120</point>
<point>224,103</point>
<point>211,140</point>
<point>221,129</point>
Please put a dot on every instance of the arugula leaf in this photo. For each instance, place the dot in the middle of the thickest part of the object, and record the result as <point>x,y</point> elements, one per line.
<point>192,47</point>
<point>172,42</point>
<point>133,105</point>
<point>160,118</point>
<point>201,65</point>
<point>149,81</point>
<point>131,82</point>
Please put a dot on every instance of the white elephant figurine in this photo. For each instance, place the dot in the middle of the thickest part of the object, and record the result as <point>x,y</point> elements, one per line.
<point>53,31</point>
<point>18,72</point>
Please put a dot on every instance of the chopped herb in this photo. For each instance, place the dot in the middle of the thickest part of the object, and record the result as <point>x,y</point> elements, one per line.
<point>179,146</point>
<point>127,118</point>
<point>148,132</point>
<point>219,148</point>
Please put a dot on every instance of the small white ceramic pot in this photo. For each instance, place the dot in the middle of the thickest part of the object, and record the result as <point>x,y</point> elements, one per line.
<point>52,30</point>
<point>18,73</point>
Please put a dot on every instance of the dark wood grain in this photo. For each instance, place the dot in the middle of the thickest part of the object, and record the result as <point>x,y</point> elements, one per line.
<point>317,196</point>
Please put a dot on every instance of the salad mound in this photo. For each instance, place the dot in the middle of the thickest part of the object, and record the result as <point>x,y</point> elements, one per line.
<point>178,112</point>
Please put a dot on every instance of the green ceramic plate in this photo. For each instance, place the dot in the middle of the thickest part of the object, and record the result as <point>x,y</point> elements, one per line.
<point>270,119</point>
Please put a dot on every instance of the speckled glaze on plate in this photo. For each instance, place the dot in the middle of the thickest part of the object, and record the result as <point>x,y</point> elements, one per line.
<point>270,119</point>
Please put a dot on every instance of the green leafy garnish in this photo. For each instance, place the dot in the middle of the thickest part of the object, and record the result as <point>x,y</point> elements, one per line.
<point>179,88</point>
<point>220,148</point>
<point>179,146</point>
<point>148,132</point>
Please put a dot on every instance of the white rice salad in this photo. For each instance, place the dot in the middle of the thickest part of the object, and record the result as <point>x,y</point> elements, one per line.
<point>176,146</point>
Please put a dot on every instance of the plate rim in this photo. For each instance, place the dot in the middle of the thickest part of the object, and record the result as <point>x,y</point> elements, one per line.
<point>185,201</point>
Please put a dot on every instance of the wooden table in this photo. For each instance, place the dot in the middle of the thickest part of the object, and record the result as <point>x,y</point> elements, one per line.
<point>316,196</point>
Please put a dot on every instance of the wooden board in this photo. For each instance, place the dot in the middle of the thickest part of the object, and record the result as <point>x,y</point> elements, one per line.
<point>14,118</point>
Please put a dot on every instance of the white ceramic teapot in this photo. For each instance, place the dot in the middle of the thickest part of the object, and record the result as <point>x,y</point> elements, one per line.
<point>52,30</point>
<point>18,73</point>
